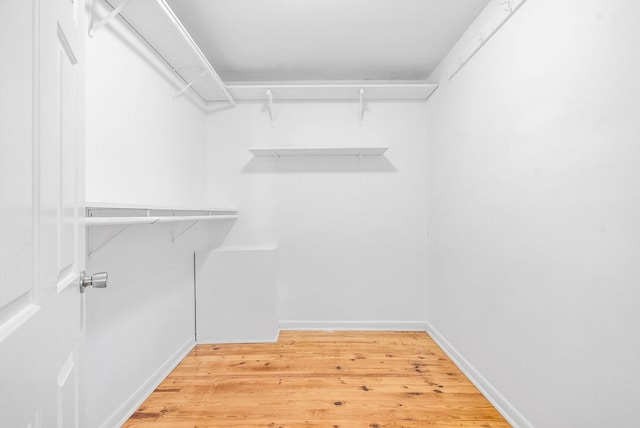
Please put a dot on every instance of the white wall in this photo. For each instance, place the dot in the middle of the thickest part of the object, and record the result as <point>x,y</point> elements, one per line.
<point>142,147</point>
<point>534,201</point>
<point>142,324</point>
<point>351,233</point>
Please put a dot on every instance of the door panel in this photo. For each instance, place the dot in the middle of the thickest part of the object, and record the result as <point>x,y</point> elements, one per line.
<point>42,245</point>
<point>67,380</point>
<point>16,158</point>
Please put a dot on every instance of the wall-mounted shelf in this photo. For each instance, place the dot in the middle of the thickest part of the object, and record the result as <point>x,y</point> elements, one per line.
<point>159,26</point>
<point>360,92</point>
<point>317,151</point>
<point>124,216</point>
<point>119,215</point>
<point>332,91</point>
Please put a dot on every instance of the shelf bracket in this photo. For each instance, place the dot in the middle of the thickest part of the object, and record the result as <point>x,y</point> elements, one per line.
<point>190,84</point>
<point>361,116</point>
<point>175,237</point>
<point>270,106</point>
<point>110,237</point>
<point>508,5</point>
<point>104,21</point>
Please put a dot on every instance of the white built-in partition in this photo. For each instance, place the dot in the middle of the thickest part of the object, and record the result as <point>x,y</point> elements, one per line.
<point>237,295</point>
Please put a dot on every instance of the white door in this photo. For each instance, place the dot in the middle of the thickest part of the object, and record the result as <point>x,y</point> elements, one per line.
<point>41,209</point>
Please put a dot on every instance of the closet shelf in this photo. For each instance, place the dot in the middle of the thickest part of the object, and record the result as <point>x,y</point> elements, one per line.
<point>332,91</point>
<point>160,27</point>
<point>157,24</point>
<point>317,151</point>
<point>110,214</point>
<point>124,215</point>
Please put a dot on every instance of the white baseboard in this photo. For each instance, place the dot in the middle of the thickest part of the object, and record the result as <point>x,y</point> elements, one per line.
<point>217,340</point>
<point>128,408</point>
<point>507,410</point>
<point>354,325</point>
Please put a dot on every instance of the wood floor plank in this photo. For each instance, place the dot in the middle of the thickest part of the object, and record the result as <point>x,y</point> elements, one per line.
<point>318,379</point>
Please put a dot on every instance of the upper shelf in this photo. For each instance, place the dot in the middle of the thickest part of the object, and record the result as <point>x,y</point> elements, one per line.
<point>159,26</point>
<point>317,151</point>
<point>333,91</point>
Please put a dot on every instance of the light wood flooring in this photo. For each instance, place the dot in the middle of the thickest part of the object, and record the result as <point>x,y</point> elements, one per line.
<point>319,379</point>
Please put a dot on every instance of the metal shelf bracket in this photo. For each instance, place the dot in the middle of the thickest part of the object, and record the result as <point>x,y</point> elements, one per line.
<point>361,116</point>
<point>188,85</point>
<point>104,21</point>
<point>110,237</point>
<point>270,106</point>
<point>175,236</point>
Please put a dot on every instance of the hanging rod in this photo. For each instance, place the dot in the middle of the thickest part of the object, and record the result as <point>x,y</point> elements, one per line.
<point>173,19</point>
<point>108,221</point>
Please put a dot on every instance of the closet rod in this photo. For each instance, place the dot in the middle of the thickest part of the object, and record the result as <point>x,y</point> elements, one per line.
<point>173,19</point>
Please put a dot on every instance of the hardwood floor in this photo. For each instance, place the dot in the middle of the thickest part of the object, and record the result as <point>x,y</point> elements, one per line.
<point>319,379</point>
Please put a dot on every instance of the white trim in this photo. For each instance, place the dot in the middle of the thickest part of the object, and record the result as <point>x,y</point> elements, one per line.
<point>129,406</point>
<point>503,406</point>
<point>354,325</point>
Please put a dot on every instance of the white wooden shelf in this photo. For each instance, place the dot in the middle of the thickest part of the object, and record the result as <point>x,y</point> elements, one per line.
<point>105,214</point>
<point>317,151</point>
<point>332,91</point>
<point>159,26</point>
<point>125,215</point>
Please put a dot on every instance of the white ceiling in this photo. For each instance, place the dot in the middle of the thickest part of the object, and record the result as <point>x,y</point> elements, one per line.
<point>325,40</point>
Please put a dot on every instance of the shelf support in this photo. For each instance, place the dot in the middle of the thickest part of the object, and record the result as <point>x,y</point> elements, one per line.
<point>270,105</point>
<point>173,19</point>
<point>361,116</point>
<point>190,84</point>
<point>104,21</point>
<point>175,237</point>
<point>110,237</point>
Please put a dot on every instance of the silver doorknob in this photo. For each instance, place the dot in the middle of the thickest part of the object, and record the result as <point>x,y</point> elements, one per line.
<point>97,280</point>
